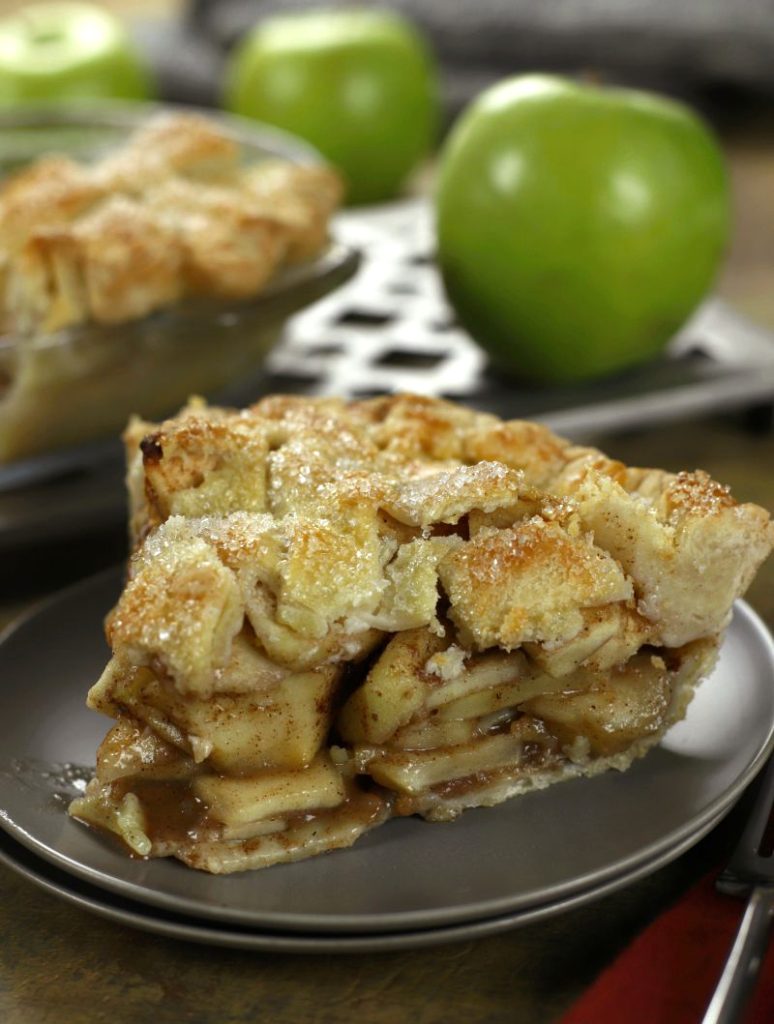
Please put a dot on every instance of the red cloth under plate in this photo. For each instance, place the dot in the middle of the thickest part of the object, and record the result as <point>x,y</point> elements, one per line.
<point>668,974</point>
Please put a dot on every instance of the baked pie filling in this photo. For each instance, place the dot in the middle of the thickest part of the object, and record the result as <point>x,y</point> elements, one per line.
<point>340,612</point>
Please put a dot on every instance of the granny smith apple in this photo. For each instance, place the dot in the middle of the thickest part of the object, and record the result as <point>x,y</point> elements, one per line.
<point>578,226</point>
<point>359,84</point>
<point>68,51</point>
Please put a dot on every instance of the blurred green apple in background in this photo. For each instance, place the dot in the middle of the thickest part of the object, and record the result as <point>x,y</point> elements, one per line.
<point>578,226</point>
<point>68,51</point>
<point>358,84</point>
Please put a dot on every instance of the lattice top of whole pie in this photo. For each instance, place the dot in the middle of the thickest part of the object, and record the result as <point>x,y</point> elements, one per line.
<point>174,212</point>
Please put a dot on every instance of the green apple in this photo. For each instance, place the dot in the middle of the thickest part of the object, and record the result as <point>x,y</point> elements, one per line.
<point>578,226</point>
<point>358,84</point>
<point>68,51</point>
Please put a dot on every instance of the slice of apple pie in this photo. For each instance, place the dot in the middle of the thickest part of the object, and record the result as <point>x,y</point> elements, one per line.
<point>338,612</point>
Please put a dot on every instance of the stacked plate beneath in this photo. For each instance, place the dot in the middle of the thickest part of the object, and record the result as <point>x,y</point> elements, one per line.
<point>408,883</point>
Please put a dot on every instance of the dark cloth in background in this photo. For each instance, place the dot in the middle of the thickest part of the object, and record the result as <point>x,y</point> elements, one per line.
<point>679,46</point>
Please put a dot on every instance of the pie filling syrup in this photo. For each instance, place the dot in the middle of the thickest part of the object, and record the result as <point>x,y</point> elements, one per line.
<point>177,819</point>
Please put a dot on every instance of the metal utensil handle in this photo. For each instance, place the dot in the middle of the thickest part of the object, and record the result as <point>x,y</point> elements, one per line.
<point>741,970</point>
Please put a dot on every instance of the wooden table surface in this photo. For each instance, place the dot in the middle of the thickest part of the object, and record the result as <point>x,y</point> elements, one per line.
<point>60,965</point>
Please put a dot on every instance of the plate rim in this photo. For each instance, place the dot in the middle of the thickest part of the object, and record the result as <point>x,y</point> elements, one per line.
<point>144,916</point>
<point>384,922</point>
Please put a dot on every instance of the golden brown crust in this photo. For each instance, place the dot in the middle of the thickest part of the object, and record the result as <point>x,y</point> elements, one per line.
<point>301,198</point>
<point>170,145</point>
<point>50,193</point>
<point>231,248</point>
<point>609,533</point>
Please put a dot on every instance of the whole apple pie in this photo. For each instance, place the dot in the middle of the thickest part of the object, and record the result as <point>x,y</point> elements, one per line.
<point>341,612</point>
<point>164,266</point>
<point>172,213</point>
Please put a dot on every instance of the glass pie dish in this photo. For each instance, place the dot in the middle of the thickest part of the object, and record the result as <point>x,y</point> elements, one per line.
<point>73,385</point>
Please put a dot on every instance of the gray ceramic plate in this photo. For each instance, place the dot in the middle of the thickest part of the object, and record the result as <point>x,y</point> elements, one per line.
<point>539,849</point>
<point>178,926</point>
